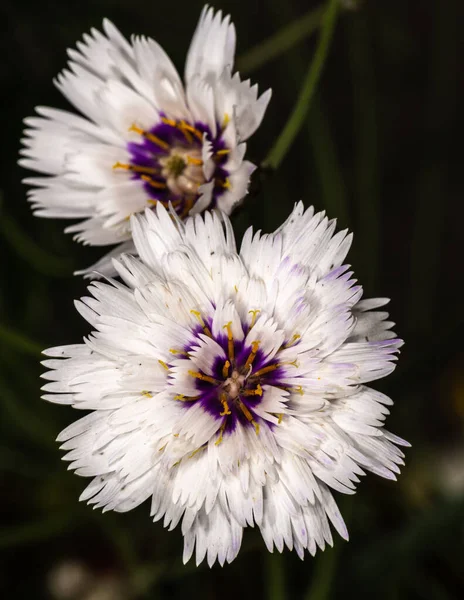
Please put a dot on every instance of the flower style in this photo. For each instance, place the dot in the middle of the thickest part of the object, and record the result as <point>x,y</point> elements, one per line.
<point>229,387</point>
<point>145,139</point>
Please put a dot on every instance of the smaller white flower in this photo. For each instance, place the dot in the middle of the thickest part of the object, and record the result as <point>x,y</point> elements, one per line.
<point>145,139</point>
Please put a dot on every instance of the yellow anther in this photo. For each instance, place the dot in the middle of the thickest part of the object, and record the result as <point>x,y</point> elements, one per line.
<point>206,329</point>
<point>147,394</point>
<point>230,341</point>
<point>175,435</point>
<point>136,168</point>
<point>225,369</point>
<point>226,120</point>
<point>225,184</point>
<point>252,355</point>
<point>267,369</point>
<point>299,390</point>
<point>221,430</point>
<point>203,377</point>
<point>294,363</point>
<point>183,398</point>
<point>188,205</point>
<point>258,391</point>
<point>194,161</point>
<point>162,447</point>
<point>196,451</point>
<point>150,136</point>
<point>248,416</point>
<point>170,122</point>
<point>183,126</point>
<point>225,406</point>
<point>119,165</point>
<point>254,316</point>
<point>223,152</point>
<point>164,365</point>
<point>236,289</point>
<point>295,337</point>
<point>156,184</point>
<point>136,129</point>
<point>281,416</point>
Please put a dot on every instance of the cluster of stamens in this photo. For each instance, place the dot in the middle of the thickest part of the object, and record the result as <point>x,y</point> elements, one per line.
<point>169,163</point>
<point>235,387</point>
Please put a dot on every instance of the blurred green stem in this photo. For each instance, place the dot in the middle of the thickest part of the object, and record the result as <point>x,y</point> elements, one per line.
<point>326,561</point>
<point>297,117</point>
<point>366,163</point>
<point>18,341</point>
<point>324,571</point>
<point>282,41</point>
<point>327,164</point>
<point>275,576</point>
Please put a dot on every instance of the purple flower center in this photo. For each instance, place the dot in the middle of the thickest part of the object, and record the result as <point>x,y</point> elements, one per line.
<point>169,162</point>
<point>236,385</point>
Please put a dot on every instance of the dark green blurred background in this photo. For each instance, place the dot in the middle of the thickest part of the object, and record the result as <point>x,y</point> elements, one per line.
<point>382,150</point>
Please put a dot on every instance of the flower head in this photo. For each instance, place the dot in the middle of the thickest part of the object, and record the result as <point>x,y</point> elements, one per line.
<point>144,138</point>
<point>230,387</point>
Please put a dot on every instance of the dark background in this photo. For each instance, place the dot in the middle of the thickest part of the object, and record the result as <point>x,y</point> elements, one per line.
<point>382,150</point>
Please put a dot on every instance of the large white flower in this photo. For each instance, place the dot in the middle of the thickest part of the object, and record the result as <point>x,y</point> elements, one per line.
<point>229,387</point>
<point>145,139</point>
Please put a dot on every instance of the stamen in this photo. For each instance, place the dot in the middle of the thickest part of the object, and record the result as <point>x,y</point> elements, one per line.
<point>296,336</point>
<point>225,369</point>
<point>203,377</point>
<point>156,184</point>
<point>170,122</point>
<point>180,352</point>
<point>194,161</point>
<point>136,168</point>
<point>225,184</point>
<point>206,329</point>
<point>162,447</point>
<point>267,369</point>
<point>163,364</point>
<point>256,392</point>
<point>223,152</point>
<point>189,202</point>
<point>248,416</point>
<point>150,136</point>
<point>154,202</point>
<point>225,406</point>
<point>146,393</point>
<point>196,451</point>
<point>183,398</point>
<point>252,355</point>
<point>254,314</point>
<point>226,120</point>
<point>221,429</point>
<point>281,416</point>
<point>230,341</point>
<point>183,125</point>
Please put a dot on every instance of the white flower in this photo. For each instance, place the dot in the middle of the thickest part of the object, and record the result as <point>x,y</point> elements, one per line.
<point>229,387</point>
<point>144,139</point>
